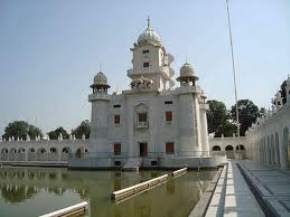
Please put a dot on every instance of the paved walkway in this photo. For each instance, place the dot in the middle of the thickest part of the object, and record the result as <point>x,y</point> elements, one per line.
<point>233,197</point>
<point>239,200</point>
<point>272,186</point>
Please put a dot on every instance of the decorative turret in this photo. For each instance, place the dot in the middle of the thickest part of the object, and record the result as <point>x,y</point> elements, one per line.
<point>100,84</point>
<point>60,137</point>
<point>187,75</point>
<point>278,100</point>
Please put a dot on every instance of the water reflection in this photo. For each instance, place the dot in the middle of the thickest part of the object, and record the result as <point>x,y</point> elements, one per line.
<point>174,198</point>
<point>17,193</point>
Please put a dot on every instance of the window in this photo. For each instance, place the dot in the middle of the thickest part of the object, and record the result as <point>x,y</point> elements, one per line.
<point>146,64</point>
<point>168,102</point>
<point>117,149</point>
<point>169,148</point>
<point>117,106</point>
<point>117,163</point>
<point>116,119</point>
<point>142,117</point>
<point>168,116</point>
<point>145,51</point>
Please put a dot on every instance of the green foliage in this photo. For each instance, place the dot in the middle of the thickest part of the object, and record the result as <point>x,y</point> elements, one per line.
<point>20,129</point>
<point>248,113</point>
<point>219,119</point>
<point>83,129</point>
<point>55,133</point>
<point>227,129</point>
<point>217,115</point>
<point>283,91</point>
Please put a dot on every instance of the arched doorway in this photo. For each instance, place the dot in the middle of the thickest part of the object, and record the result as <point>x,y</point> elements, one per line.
<point>285,149</point>
<point>273,151</point>
<point>13,154</point>
<point>42,154</point>
<point>277,147</point>
<point>240,152</point>
<point>31,154</point>
<point>230,152</point>
<point>79,153</point>
<point>53,154</point>
<point>285,144</point>
<point>65,153</point>
<point>21,154</point>
<point>4,154</point>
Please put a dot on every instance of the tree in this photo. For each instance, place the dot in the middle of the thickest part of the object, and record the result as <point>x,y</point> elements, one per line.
<point>83,129</point>
<point>55,133</point>
<point>20,129</point>
<point>216,115</point>
<point>248,113</point>
<point>283,91</point>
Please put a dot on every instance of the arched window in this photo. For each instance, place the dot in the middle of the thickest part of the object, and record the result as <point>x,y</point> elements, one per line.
<point>13,150</point>
<point>41,150</point>
<point>79,153</point>
<point>21,150</point>
<point>4,151</point>
<point>229,148</point>
<point>66,150</point>
<point>216,148</point>
<point>53,150</point>
<point>240,147</point>
<point>32,150</point>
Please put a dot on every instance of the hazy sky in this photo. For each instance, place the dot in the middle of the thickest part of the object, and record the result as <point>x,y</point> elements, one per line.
<point>50,51</point>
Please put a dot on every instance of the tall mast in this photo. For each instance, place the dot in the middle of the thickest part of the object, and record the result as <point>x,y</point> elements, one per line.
<point>233,67</point>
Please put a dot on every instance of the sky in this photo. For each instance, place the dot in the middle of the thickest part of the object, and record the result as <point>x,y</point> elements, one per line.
<point>51,50</point>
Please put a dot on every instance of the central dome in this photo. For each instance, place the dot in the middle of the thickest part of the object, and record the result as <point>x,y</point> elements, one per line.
<point>100,79</point>
<point>149,36</point>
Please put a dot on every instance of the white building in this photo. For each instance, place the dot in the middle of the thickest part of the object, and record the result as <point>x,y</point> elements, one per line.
<point>154,119</point>
<point>153,123</point>
<point>269,137</point>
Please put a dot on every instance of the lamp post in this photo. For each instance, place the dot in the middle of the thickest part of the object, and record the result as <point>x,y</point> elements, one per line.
<point>233,67</point>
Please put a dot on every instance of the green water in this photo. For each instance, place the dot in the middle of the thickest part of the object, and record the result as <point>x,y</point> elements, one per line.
<point>28,192</point>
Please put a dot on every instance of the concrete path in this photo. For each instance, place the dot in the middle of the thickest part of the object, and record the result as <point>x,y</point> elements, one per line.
<point>271,185</point>
<point>233,197</point>
<point>239,200</point>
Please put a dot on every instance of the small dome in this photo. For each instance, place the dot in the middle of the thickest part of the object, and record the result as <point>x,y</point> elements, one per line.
<point>100,79</point>
<point>149,36</point>
<point>186,70</point>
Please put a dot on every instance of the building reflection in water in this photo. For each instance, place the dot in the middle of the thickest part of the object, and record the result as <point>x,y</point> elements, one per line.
<point>174,198</point>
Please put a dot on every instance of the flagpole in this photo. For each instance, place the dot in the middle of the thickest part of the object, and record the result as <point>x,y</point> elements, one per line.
<point>233,67</point>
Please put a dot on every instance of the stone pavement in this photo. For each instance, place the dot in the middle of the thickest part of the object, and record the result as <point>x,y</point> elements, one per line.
<point>272,187</point>
<point>239,200</point>
<point>233,197</point>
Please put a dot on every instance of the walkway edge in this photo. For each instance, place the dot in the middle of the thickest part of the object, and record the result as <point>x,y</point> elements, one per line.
<point>201,207</point>
<point>266,207</point>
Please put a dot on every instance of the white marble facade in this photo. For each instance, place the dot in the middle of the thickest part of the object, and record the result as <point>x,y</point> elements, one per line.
<point>269,137</point>
<point>153,118</point>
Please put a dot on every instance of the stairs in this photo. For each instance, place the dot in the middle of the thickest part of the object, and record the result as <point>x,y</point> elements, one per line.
<point>132,164</point>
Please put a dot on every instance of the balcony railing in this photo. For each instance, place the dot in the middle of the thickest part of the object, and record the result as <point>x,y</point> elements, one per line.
<point>142,125</point>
